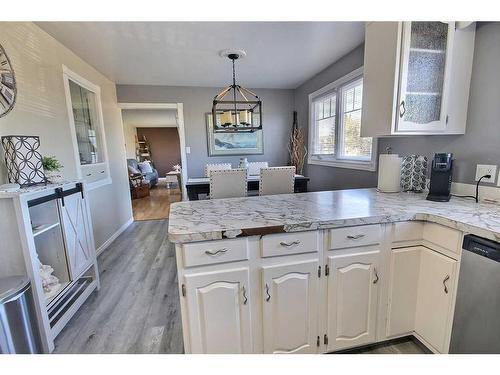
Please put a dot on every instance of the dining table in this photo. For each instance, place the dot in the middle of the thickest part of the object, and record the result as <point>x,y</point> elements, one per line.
<point>196,186</point>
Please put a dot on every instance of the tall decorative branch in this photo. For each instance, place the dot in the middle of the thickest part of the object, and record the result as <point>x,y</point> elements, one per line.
<point>296,146</point>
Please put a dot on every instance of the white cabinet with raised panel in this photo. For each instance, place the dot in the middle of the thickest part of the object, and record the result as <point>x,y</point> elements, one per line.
<point>416,78</point>
<point>290,307</point>
<point>436,285</point>
<point>352,289</point>
<point>218,311</point>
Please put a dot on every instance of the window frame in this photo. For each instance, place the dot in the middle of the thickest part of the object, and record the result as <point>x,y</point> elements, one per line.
<point>83,169</point>
<point>335,160</point>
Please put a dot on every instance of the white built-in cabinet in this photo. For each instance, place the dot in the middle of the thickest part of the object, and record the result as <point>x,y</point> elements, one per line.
<point>54,229</point>
<point>219,312</point>
<point>290,307</point>
<point>320,291</point>
<point>352,289</point>
<point>416,78</point>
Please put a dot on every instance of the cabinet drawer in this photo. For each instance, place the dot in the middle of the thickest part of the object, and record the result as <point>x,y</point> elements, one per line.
<point>408,231</point>
<point>289,243</point>
<point>442,236</point>
<point>211,252</point>
<point>342,238</point>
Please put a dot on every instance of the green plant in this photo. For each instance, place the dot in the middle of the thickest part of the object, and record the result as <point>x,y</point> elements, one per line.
<point>51,164</point>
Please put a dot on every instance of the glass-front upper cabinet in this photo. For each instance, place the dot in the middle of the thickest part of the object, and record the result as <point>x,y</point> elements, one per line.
<point>87,129</point>
<point>425,64</point>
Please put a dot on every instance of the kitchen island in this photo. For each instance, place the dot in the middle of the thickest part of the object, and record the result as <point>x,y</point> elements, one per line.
<point>321,272</point>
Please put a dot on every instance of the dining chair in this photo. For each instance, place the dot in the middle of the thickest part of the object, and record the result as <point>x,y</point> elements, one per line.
<point>255,166</point>
<point>216,167</point>
<point>277,180</point>
<point>228,183</point>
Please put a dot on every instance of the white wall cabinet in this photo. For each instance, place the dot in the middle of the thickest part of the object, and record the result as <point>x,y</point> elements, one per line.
<point>416,78</point>
<point>290,307</point>
<point>352,289</point>
<point>219,312</point>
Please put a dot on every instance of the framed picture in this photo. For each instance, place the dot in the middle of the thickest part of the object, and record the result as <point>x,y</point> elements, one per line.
<point>220,144</point>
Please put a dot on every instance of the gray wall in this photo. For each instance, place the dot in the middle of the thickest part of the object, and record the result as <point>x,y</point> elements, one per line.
<point>481,143</point>
<point>277,111</point>
<point>329,178</point>
<point>41,110</point>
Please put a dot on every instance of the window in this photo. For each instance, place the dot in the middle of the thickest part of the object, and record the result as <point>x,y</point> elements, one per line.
<point>87,129</point>
<point>335,126</point>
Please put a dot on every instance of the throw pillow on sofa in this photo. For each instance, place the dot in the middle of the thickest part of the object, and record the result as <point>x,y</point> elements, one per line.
<point>145,167</point>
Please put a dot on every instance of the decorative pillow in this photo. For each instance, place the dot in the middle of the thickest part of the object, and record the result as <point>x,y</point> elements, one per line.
<point>145,167</point>
<point>132,170</point>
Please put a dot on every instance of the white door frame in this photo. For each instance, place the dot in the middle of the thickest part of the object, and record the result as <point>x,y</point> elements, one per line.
<point>180,128</point>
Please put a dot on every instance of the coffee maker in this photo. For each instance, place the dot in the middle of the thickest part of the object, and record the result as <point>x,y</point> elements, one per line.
<point>441,171</point>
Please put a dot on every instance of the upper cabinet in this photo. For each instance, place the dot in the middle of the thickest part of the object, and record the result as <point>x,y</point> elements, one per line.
<point>416,78</point>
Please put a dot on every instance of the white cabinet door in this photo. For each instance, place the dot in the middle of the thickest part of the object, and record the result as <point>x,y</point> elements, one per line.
<point>352,299</point>
<point>218,309</point>
<point>290,313</point>
<point>77,233</point>
<point>425,66</point>
<point>435,290</point>
<point>403,290</point>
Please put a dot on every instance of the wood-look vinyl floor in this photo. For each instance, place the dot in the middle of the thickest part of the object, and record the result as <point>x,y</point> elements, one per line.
<point>137,309</point>
<point>157,205</point>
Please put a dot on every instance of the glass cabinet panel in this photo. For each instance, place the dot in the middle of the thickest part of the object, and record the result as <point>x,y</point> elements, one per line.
<point>83,103</point>
<point>425,51</point>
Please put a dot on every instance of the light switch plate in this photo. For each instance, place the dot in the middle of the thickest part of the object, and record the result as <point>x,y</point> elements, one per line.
<point>482,169</point>
<point>188,150</point>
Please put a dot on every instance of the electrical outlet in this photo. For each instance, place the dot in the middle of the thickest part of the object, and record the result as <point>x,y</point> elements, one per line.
<point>498,181</point>
<point>482,169</point>
<point>188,150</point>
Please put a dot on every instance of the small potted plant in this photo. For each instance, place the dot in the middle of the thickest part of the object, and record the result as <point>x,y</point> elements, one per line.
<point>52,167</point>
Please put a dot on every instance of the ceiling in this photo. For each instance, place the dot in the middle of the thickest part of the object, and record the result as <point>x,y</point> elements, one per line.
<point>279,54</point>
<point>150,118</point>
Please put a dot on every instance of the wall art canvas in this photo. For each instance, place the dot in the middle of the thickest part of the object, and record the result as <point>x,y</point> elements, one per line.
<point>220,144</point>
<point>23,160</point>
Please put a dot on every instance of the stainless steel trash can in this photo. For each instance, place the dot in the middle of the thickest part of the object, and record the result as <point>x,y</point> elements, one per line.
<point>18,325</point>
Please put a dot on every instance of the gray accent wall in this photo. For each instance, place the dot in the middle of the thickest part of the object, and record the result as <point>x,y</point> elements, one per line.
<point>277,120</point>
<point>481,143</point>
<point>323,177</point>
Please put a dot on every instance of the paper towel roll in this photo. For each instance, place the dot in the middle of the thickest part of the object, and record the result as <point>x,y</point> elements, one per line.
<point>389,173</point>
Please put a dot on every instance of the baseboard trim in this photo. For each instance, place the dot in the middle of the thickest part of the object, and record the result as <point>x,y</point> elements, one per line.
<point>110,240</point>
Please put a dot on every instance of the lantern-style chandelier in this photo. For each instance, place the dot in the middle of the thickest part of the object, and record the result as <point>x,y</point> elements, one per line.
<point>243,112</point>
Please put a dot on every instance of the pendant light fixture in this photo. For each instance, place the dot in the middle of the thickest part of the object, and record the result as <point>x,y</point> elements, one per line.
<point>242,112</point>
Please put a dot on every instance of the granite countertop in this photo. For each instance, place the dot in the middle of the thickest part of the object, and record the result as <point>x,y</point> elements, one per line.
<point>228,218</point>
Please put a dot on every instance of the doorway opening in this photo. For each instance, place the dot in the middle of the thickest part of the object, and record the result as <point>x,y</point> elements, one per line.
<point>156,159</point>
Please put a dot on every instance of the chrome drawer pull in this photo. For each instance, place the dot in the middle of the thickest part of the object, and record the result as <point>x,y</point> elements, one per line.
<point>267,292</point>
<point>245,296</point>
<point>376,276</point>
<point>288,244</point>
<point>216,252</point>
<point>444,283</point>
<point>355,237</point>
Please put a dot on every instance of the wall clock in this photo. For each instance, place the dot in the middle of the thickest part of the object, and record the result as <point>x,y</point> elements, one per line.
<point>8,88</point>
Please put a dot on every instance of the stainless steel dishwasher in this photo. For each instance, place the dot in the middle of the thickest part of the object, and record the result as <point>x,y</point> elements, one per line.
<point>476,325</point>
